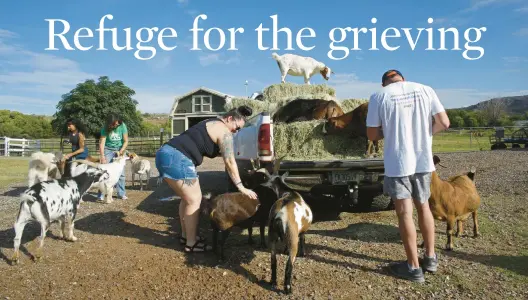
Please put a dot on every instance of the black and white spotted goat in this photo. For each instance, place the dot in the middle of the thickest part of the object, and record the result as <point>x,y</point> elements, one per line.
<point>54,200</point>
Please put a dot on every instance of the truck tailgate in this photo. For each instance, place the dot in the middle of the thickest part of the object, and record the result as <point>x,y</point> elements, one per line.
<point>371,164</point>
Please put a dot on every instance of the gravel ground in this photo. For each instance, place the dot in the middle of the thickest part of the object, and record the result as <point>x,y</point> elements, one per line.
<point>128,249</point>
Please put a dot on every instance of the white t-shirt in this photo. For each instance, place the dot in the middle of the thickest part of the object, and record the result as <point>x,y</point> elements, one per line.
<point>405,111</point>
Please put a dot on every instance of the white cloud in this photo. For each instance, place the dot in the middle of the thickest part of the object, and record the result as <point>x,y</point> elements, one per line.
<point>515,59</point>
<point>478,4</point>
<point>159,62</point>
<point>522,32</point>
<point>216,58</point>
<point>152,101</point>
<point>521,9</point>
<point>350,86</point>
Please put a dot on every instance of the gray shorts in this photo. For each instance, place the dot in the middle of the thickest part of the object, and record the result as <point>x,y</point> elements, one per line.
<point>416,186</point>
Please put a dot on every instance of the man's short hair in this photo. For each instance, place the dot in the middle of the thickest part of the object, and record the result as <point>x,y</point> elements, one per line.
<point>390,74</point>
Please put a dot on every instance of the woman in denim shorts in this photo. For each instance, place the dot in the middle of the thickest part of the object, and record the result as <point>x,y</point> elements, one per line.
<point>177,160</point>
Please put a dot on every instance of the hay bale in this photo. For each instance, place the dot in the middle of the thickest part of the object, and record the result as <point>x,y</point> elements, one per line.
<point>305,141</point>
<point>284,91</point>
<point>350,104</point>
<point>256,105</point>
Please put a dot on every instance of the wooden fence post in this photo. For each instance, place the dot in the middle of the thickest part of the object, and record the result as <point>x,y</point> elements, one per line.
<point>161,136</point>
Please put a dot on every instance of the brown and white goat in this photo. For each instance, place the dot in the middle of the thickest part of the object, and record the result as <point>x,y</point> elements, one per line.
<point>453,200</point>
<point>230,210</point>
<point>289,220</point>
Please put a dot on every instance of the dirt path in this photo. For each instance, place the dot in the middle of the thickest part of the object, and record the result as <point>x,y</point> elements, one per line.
<point>128,249</point>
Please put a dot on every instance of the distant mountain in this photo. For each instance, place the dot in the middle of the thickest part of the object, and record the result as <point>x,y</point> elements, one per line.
<point>512,105</point>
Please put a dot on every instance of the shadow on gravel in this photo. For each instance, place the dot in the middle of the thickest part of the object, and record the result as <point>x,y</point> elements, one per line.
<point>14,191</point>
<point>364,232</point>
<point>516,264</point>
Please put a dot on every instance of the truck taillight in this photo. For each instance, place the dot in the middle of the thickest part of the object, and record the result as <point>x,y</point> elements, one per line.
<point>264,140</point>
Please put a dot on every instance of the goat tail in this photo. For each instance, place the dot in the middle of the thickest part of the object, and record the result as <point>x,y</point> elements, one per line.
<point>471,173</point>
<point>275,56</point>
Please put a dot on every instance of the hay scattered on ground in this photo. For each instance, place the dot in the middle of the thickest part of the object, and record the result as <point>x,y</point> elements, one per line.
<point>306,141</point>
<point>283,91</point>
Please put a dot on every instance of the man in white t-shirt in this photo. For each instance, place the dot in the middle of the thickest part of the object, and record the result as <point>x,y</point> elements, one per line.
<point>402,113</point>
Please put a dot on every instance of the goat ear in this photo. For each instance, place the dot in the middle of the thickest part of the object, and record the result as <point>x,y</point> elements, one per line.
<point>276,165</point>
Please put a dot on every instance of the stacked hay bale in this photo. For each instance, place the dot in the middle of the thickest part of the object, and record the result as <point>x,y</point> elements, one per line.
<point>305,140</point>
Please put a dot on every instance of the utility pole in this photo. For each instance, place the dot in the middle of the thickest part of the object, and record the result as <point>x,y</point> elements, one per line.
<point>246,84</point>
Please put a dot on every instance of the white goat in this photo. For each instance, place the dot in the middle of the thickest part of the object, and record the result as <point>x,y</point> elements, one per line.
<point>296,65</point>
<point>41,167</point>
<point>53,200</point>
<point>114,169</point>
<point>140,166</point>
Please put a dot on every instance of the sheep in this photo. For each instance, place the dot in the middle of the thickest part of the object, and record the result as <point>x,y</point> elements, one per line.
<point>53,200</point>
<point>114,168</point>
<point>289,219</point>
<point>296,65</point>
<point>453,200</point>
<point>41,167</point>
<point>237,210</point>
<point>140,166</point>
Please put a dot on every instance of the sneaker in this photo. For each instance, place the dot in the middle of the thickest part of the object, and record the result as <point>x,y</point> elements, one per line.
<point>123,197</point>
<point>402,270</point>
<point>430,264</point>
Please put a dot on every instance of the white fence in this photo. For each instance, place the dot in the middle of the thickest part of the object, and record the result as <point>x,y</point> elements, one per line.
<point>19,147</point>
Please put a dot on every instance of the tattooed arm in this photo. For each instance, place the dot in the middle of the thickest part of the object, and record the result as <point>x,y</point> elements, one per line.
<point>228,154</point>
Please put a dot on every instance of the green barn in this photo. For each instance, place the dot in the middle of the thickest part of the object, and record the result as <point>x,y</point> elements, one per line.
<point>195,106</point>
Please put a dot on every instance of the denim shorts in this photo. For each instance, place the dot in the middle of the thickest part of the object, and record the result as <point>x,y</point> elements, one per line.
<point>173,164</point>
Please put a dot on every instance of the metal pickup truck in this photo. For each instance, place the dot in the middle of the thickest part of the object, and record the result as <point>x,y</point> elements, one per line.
<point>348,183</point>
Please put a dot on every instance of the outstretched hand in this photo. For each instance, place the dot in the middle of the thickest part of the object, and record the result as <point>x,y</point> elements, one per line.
<point>249,193</point>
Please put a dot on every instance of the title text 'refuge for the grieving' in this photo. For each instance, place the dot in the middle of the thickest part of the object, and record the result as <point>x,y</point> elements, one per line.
<point>343,40</point>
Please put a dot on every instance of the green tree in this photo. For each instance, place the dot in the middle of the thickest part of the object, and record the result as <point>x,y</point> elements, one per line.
<point>18,125</point>
<point>457,122</point>
<point>92,101</point>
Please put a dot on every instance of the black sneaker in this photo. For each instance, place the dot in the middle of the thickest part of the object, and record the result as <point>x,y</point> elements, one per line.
<point>430,264</point>
<point>402,270</point>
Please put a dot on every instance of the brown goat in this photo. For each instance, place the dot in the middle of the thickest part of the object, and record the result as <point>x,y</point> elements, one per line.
<point>353,124</point>
<point>300,110</point>
<point>327,110</point>
<point>453,200</point>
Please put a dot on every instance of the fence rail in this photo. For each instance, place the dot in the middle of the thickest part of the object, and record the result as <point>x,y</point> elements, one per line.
<point>143,146</point>
<point>451,140</point>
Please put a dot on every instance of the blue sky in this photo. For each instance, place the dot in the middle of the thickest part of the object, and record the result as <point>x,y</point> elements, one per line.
<point>32,79</point>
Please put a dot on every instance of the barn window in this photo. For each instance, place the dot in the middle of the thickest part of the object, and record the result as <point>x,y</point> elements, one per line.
<point>202,103</point>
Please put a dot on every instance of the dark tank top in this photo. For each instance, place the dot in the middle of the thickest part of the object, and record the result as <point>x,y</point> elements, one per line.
<point>195,143</point>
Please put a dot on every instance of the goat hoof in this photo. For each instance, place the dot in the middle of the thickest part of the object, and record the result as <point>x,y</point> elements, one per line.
<point>288,289</point>
<point>449,248</point>
<point>273,285</point>
<point>476,235</point>
<point>73,239</point>
<point>15,260</point>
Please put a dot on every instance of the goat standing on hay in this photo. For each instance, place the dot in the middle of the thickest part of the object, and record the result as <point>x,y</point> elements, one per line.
<point>295,65</point>
<point>352,124</point>
<point>140,166</point>
<point>306,110</point>
<point>453,200</point>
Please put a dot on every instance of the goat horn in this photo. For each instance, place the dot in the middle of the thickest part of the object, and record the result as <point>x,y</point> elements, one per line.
<point>87,162</point>
<point>276,165</point>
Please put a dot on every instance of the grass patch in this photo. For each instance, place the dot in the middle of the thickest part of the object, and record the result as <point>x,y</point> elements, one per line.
<point>14,170</point>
